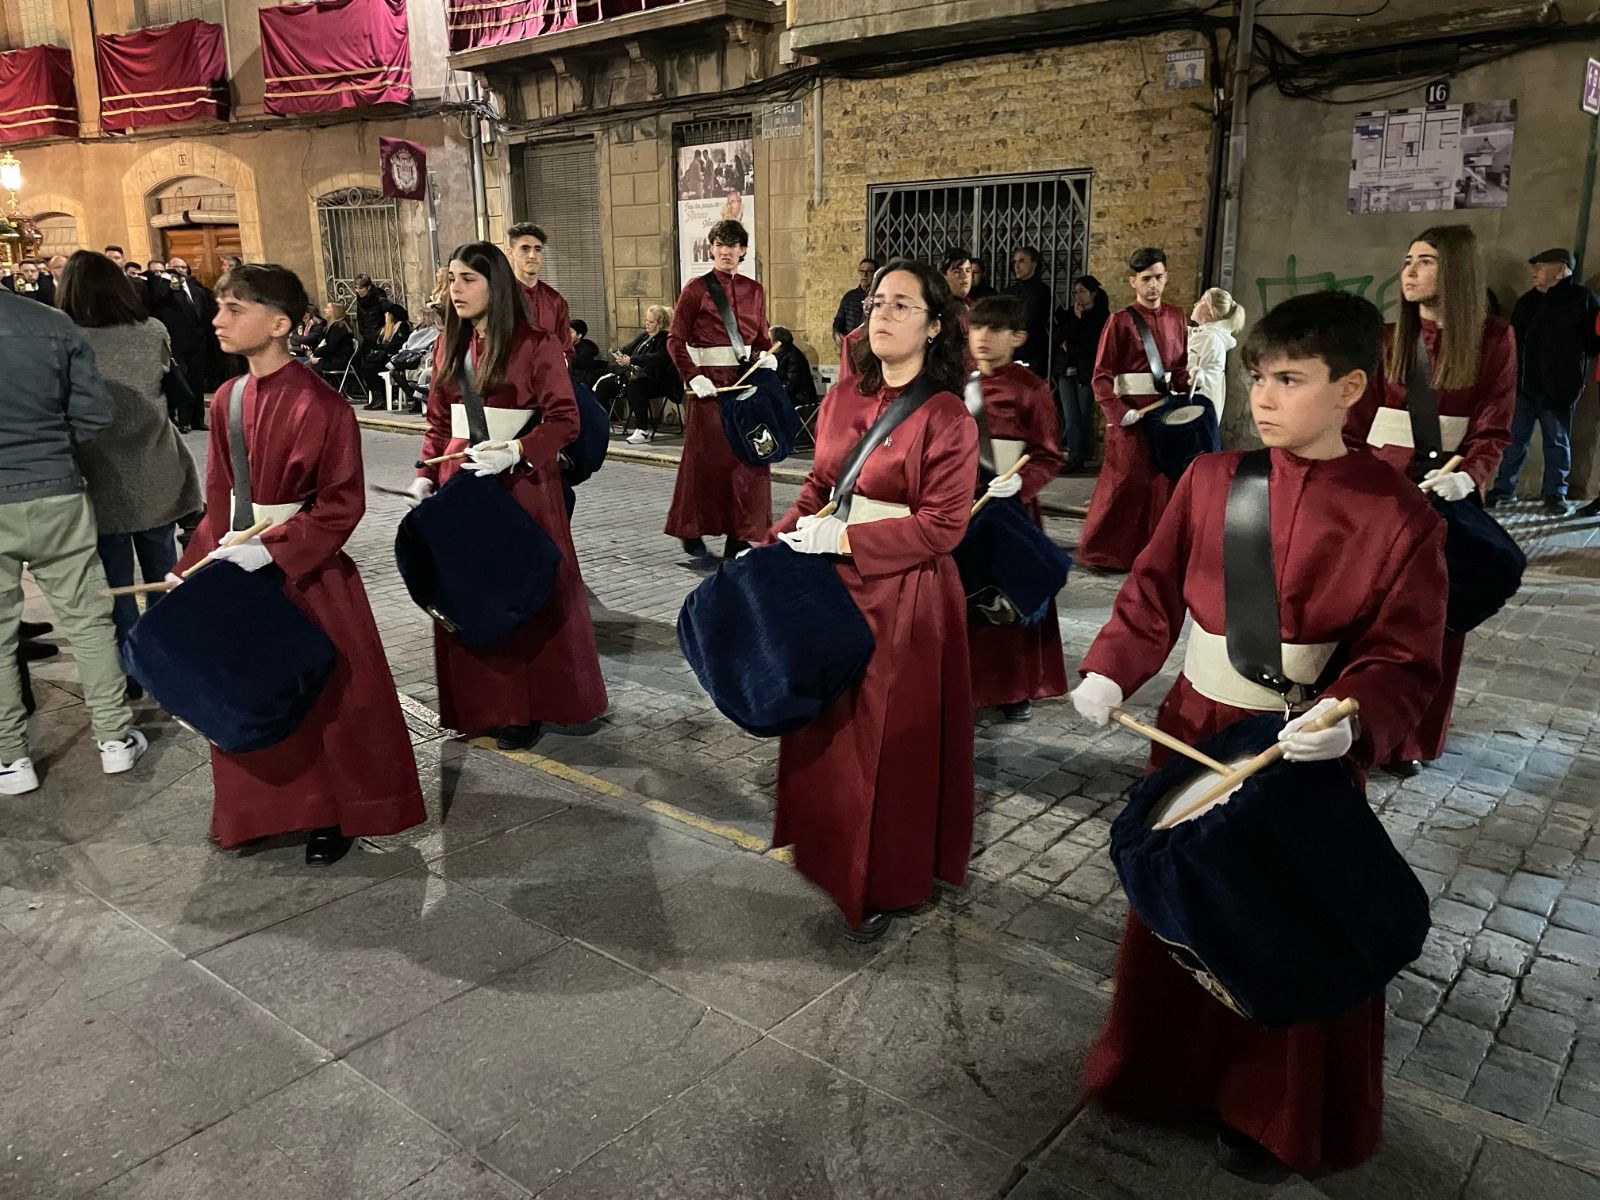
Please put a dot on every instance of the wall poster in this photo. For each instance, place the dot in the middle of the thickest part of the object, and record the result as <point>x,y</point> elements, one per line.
<point>716,182</point>
<point>1429,159</point>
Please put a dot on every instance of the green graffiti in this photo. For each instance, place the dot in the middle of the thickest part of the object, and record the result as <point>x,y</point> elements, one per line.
<point>1275,288</point>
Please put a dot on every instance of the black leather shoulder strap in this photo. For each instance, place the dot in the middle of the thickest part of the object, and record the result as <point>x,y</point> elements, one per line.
<point>729,321</point>
<point>1249,577</point>
<point>1158,369</point>
<point>917,392</point>
<point>974,403</point>
<point>477,422</point>
<point>244,512</point>
<point>1422,404</point>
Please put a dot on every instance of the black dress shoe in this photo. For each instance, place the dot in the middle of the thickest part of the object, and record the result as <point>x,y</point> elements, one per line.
<point>134,691</point>
<point>517,737</point>
<point>1021,711</point>
<point>1403,768</point>
<point>327,846</point>
<point>734,548</point>
<point>1556,506</point>
<point>373,406</point>
<point>34,629</point>
<point>873,926</point>
<point>1247,1158</point>
<point>1493,500</point>
<point>1591,509</point>
<point>695,548</point>
<point>37,651</point>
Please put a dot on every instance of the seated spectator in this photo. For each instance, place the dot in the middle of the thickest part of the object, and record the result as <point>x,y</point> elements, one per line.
<point>645,373</point>
<point>587,364</point>
<point>416,356</point>
<point>794,368</point>
<point>307,334</point>
<point>337,346</point>
<point>392,335</point>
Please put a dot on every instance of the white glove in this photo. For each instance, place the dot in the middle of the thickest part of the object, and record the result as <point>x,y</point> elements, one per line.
<point>1131,418</point>
<point>1095,697</point>
<point>1457,485</point>
<point>174,579</point>
<point>818,535</point>
<point>486,459</point>
<point>702,387</point>
<point>1005,487</point>
<point>767,362</point>
<point>249,555</point>
<point>419,490</point>
<point>1300,745</point>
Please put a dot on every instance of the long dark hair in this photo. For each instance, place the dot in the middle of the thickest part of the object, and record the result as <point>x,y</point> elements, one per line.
<point>1099,301</point>
<point>505,313</point>
<point>944,359</point>
<point>1463,307</point>
<point>94,292</point>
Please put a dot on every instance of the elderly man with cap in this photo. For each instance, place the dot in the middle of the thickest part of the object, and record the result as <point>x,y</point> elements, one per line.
<point>1556,347</point>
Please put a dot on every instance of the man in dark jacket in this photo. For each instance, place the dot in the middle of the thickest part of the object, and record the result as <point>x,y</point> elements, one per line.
<point>1556,347</point>
<point>1035,295</point>
<point>852,304</point>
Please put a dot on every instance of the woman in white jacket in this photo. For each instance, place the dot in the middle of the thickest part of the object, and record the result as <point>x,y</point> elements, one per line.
<point>1218,320</point>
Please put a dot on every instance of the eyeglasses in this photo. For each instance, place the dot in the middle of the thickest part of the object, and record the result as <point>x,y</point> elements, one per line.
<point>895,310</point>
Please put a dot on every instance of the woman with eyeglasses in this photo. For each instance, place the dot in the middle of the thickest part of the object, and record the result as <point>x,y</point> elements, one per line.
<point>876,794</point>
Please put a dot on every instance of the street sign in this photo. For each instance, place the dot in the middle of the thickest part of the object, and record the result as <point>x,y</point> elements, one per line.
<point>1437,92</point>
<point>783,120</point>
<point>1591,88</point>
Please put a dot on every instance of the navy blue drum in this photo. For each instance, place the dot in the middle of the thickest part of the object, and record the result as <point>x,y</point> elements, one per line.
<point>759,420</point>
<point>1181,431</point>
<point>1010,570</point>
<point>1484,561</point>
<point>231,656</point>
<point>1286,900</point>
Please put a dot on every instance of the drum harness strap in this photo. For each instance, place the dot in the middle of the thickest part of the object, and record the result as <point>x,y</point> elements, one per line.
<point>477,419</point>
<point>907,402</point>
<point>729,321</point>
<point>244,512</point>
<point>1249,579</point>
<point>1158,369</point>
<point>1422,405</point>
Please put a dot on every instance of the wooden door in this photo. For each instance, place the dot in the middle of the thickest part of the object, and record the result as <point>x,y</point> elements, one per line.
<point>203,248</point>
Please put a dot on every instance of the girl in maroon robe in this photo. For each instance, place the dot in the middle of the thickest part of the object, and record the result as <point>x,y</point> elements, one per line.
<point>1130,493</point>
<point>347,771</point>
<point>876,794</point>
<point>1359,559</point>
<point>1012,667</point>
<point>1441,286</point>
<point>548,670</point>
<point>715,492</point>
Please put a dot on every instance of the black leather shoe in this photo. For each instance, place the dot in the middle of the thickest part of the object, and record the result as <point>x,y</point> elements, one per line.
<point>1403,768</point>
<point>517,737</point>
<point>134,691</point>
<point>873,926</point>
<point>34,629</point>
<point>734,548</point>
<point>1021,711</point>
<point>1556,506</point>
<point>373,406</point>
<point>327,846</point>
<point>1246,1158</point>
<point>1493,500</point>
<point>695,548</point>
<point>1591,509</point>
<point>37,651</point>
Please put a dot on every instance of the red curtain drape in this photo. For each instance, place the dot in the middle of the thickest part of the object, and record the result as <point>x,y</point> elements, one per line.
<point>335,54</point>
<point>155,76</point>
<point>36,96</point>
<point>475,23</point>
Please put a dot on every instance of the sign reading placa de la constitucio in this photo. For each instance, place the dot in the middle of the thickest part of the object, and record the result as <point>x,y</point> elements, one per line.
<point>783,120</point>
<point>1591,87</point>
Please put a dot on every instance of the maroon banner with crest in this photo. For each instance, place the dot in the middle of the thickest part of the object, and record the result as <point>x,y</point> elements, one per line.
<point>335,54</point>
<point>158,76</point>
<point>404,167</point>
<point>36,95</point>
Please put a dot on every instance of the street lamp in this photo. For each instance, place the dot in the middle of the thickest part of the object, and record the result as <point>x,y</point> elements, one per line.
<point>11,176</point>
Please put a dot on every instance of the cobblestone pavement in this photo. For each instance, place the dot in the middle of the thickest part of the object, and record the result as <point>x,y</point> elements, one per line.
<point>588,976</point>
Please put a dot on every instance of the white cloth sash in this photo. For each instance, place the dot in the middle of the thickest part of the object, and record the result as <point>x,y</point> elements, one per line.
<point>1135,383</point>
<point>1206,664</point>
<point>276,513</point>
<point>504,423</point>
<point>1392,427</point>
<point>864,510</point>
<point>714,356</point>
<point>1006,453</point>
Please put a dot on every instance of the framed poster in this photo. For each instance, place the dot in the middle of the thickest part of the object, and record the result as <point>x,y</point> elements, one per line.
<point>716,182</point>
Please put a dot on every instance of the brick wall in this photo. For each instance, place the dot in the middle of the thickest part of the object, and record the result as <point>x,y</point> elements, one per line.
<point>1101,107</point>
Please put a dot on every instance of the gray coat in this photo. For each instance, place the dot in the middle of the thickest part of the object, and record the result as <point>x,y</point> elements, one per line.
<point>140,474</point>
<point>53,402</point>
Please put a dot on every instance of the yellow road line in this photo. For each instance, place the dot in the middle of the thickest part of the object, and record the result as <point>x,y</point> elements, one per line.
<point>738,837</point>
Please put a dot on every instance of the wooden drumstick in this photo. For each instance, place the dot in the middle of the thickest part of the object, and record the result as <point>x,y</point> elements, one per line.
<point>1006,474</point>
<point>1170,742</point>
<point>231,539</point>
<point>430,462</point>
<point>1345,708</point>
<point>734,387</point>
<point>1150,408</point>
<point>1451,463</point>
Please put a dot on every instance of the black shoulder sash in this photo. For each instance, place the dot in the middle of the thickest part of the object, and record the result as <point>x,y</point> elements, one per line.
<point>729,321</point>
<point>1249,578</point>
<point>1158,369</point>
<point>916,393</point>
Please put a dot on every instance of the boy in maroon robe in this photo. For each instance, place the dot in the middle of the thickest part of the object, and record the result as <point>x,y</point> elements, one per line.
<point>348,770</point>
<point>547,308</point>
<point>1013,667</point>
<point>1130,493</point>
<point>715,492</point>
<point>1359,557</point>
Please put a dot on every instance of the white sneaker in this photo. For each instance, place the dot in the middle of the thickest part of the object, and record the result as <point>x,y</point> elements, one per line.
<point>18,778</point>
<point>117,757</point>
<point>638,437</point>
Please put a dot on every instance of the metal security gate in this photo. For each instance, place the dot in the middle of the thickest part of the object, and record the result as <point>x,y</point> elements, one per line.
<point>992,218</point>
<point>560,196</point>
<point>360,233</point>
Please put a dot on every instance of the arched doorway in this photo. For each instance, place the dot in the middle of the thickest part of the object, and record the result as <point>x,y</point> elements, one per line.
<point>197,219</point>
<point>59,233</point>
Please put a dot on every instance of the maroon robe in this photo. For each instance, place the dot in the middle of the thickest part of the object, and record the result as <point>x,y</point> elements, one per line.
<point>349,764</point>
<point>547,309</point>
<point>1360,561</point>
<point>1130,493</point>
<point>548,670</point>
<point>1011,665</point>
<point>875,795</point>
<point>1488,406</point>
<point>715,492</point>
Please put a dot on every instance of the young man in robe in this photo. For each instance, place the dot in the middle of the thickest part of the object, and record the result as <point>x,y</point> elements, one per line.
<point>1359,562</point>
<point>347,771</point>
<point>1130,494</point>
<point>715,492</point>
<point>547,308</point>
<point>1014,666</point>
